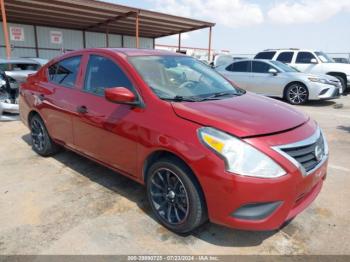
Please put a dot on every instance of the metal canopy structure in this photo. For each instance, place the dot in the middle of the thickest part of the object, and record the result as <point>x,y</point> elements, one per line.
<point>97,16</point>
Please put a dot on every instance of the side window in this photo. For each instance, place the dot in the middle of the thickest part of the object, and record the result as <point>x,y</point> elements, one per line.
<point>304,58</point>
<point>285,57</point>
<point>261,67</point>
<point>239,67</point>
<point>65,72</point>
<point>102,73</point>
<point>265,55</point>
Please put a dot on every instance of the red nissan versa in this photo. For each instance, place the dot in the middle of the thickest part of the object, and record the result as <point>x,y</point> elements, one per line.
<point>204,148</point>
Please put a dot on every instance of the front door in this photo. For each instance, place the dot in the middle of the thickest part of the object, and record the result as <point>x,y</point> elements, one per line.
<point>104,130</point>
<point>266,83</point>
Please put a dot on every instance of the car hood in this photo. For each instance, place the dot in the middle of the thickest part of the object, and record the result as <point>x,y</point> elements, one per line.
<point>345,68</point>
<point>243,116</point>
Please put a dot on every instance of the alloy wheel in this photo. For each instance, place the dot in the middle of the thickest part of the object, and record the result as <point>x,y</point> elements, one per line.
<point>38,135</point>
<point>169,196</point>
<point>297,94</point>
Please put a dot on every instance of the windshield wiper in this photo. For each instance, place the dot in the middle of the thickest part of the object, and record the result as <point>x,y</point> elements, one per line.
<point>182,99</point>
<point>220,94</point>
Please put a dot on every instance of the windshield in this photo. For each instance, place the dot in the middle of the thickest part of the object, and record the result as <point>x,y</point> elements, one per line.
<point>283,67</point>
<point>175,77</point>
<point>324,57</point>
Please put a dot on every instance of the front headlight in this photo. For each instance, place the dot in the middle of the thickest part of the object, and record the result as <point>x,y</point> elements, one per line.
<point>318,80</point>
<point>240,157</point>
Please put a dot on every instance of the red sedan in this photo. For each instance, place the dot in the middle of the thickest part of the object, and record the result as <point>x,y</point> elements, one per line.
<point>204,148</point>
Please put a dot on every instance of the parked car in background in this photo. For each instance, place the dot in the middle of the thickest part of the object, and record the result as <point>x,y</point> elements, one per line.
<point>341,60</point>
<point>203,148</point>
<point>309,61</point>
<point>12,73</point>
<point>19,68</point>
<point>41,61</point>
<point>221,59</point>
<point>9,89</point>
<point>276,79</point>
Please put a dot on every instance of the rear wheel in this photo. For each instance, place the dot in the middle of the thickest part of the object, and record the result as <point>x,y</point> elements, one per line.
<point>41,141</point>
<point>175,198</point>
<point>296,94</point>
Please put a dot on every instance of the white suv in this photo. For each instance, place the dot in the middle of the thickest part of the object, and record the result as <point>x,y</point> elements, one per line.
<point>308,61</point>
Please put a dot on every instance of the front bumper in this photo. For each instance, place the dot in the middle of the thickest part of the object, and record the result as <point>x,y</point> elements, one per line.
<point>263,204</point>
<point>319,91</point>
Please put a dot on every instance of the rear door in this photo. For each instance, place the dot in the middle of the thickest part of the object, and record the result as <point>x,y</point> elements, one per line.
<point>55,97</point>
<point>104,130</point>
<point>239,73</point>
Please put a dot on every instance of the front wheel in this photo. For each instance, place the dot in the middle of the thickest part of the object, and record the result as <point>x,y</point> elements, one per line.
<point>175,197</point>
<point>296,94</point>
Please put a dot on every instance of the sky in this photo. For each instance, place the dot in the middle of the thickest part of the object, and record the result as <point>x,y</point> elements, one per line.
<point>249,26</point>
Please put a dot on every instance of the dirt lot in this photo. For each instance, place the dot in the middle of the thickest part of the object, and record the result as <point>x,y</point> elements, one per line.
<point>69,205</point>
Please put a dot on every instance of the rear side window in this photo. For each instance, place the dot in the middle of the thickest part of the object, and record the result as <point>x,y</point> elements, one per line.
<point>285,57</point>
<point>65,72</point>
<point>102,73</point>
<point>239,67</point>
<point>304,58</point>
<point>265,55</point>
<point>260,67</point>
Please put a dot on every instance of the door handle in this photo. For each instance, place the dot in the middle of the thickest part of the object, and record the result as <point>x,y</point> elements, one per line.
<point>82,109</point>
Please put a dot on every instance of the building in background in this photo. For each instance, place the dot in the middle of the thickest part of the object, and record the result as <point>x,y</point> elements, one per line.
<point>197,52</point>
<point>46,28</point>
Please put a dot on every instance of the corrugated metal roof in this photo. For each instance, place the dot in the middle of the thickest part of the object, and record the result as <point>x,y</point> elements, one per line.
<point>97,16</point>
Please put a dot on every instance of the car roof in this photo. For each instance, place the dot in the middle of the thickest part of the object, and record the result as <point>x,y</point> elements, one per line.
<point>287,49</point>
<point>131,51</point>
<point>18,60</point>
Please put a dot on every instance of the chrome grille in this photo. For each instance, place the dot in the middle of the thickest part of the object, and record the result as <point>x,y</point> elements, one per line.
<point>307,154</point>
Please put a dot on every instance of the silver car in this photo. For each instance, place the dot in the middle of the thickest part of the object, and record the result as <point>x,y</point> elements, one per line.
<point>19,68</point>
<point>13,72</point>
<point>276,79</point>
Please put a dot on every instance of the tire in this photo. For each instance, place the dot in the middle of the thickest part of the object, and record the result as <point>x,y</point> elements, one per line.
<point>42,144</point>
<point>175,196</point>
<point>343,83</point>
<point>296,94</point>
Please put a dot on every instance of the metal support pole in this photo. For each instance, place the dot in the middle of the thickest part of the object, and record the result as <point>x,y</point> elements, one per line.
<point>179,43</point>
<point>137,30</point>
<point>4,26</point>
<point>84,39</point>
<point>209,47</point>
<point>107,37</point>
<point>36,41</point>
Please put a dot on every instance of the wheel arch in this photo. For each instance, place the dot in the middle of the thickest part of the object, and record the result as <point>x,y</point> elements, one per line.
<point>340,74</point>
<point>292,83</point>
<point>31,114</point>
<point>162,153</point>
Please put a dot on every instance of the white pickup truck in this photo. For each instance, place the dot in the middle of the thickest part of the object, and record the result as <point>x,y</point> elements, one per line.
<point>308,61</point>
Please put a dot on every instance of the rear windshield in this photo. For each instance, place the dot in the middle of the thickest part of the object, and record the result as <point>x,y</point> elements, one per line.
<point>19,67</point>
<point>265,55</point>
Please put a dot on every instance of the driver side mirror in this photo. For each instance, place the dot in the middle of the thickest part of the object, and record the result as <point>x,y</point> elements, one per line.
<point>120,95</point>
<point>313,61</point>
<point>273,71</point>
